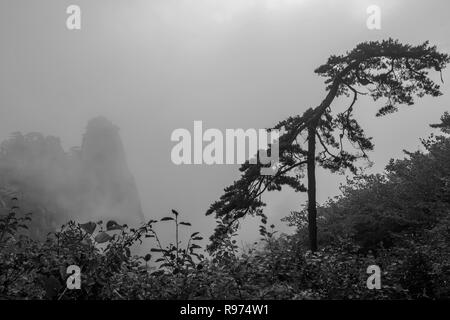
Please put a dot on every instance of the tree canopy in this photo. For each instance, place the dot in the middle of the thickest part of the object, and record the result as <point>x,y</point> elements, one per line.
<point>387,69</point>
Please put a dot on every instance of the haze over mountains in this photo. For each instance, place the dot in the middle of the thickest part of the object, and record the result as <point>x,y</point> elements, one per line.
<point>91,182</point>
<point>152,67</point>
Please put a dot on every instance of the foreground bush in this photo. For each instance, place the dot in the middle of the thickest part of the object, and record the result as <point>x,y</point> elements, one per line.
<point>275,268</point>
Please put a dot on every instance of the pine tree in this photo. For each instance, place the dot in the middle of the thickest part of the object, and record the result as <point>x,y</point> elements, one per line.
<point>389,70</point>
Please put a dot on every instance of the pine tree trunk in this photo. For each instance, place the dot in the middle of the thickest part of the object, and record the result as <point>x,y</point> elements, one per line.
<point>312,210</point>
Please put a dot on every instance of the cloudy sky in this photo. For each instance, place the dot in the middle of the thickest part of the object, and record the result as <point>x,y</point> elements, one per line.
<point>152,66</point>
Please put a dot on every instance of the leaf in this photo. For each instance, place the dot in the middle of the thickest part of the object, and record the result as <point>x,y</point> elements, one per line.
<point>147,257</point>
<point>199,256</point>
<point>102,237</point>
<point>194,246</point>
<point>112,225</point>
<point>387,109</point>
<point>51,286</point>
<point>185,223</point>
<point>167,219</point>
<point>88,227</point>
<point>175,212</point>
<point>197,238</point>
<point>160,259</point>
<point>194,234</point>
<point>156,250</point>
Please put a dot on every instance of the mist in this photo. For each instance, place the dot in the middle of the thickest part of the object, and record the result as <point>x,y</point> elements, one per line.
<point>151,67</point>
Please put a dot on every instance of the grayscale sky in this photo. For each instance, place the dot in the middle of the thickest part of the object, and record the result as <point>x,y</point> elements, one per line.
<point>152,66</point>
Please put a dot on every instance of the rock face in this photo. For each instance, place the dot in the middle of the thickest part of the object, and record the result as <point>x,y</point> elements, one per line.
<point>108,186</point>
<point>88,183</point>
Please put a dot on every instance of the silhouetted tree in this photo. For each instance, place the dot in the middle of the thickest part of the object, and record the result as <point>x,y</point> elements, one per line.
<point>386,69</point>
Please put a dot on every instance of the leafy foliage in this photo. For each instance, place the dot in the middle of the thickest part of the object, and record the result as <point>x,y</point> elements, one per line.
<point>382,69</point>
<point>398,220</point>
